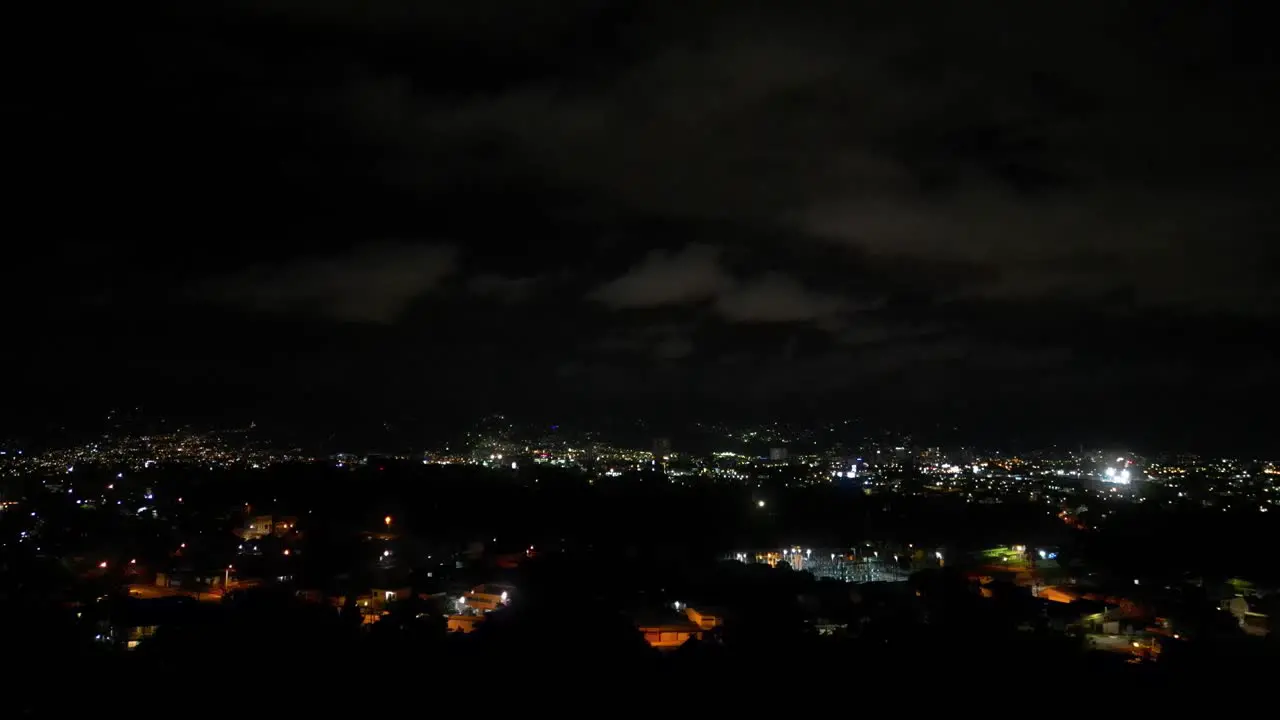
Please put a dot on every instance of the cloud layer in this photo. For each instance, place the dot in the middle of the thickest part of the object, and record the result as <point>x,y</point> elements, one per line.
<point>957,203</point>
<point>368,284</point>
<point>695,274</point>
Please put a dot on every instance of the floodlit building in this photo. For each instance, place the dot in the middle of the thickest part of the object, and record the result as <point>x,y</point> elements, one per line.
<point>382,597</point>
<point>464,623</point>
<point>255,528</point>
<point>668,634</point>
<point>260,526</point>
<point>284,525</point>
<point>485,598</point>
<point>705,618</point>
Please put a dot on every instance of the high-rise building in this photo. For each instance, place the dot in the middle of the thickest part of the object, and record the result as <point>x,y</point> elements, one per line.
<point>778,454</point>
<point>661,447</point>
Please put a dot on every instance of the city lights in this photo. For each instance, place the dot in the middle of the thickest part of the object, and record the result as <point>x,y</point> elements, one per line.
<point>1065,485</point>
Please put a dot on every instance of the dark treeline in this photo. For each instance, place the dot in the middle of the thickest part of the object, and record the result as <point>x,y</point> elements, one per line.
<point>545,503</point>
<point>1147,539</point>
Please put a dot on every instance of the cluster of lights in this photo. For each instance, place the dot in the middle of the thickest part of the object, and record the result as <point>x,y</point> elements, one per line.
<point>1120,477</point>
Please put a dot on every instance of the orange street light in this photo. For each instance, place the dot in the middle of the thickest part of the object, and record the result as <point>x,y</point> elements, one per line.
<point>387,520</point>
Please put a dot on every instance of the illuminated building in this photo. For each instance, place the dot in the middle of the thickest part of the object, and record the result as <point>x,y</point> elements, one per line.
<point>255,528</point>
<point>464,623</point>
<point>260,526</point>
<point>705,618</point>
<point>485,598</point>
<point>668,634</point>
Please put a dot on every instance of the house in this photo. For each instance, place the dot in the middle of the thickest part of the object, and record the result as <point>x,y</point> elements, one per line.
<point>284,525</point>
<point>260,526</point>
<point>1256,624</point>
<point>667,632</point>
<point>380,598</point>
<point>1086,615</point>
<point>706,618</point>
<point>1253,623</point>
<point>464,623</point>
<point>189,579</point>
<point>255,528</point>
<point>1056,594</point>
<point>485,598</point>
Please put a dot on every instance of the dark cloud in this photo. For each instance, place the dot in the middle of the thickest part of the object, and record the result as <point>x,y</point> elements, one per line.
<point>696,274</point>
<point>511,289</point>
<point>776,298</point>
<point>368,284</point>
<point>662,278</point>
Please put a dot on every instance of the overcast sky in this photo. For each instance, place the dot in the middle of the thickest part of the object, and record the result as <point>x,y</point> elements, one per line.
<point>995,214</point>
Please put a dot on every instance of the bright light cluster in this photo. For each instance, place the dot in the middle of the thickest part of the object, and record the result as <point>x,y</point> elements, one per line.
<point>1120,477</point>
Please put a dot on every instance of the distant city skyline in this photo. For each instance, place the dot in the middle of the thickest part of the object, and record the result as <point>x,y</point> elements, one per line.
<point>776,440</point>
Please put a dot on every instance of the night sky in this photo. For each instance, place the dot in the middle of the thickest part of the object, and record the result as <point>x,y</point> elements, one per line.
<point>1048,218</point>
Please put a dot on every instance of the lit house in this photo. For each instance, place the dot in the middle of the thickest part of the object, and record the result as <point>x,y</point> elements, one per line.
<point>255,528</point>
<point>464,623</point>
<point>705,618</point>
<point>484,598</point>
<point>667,633</point>
<point>260,526</point>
